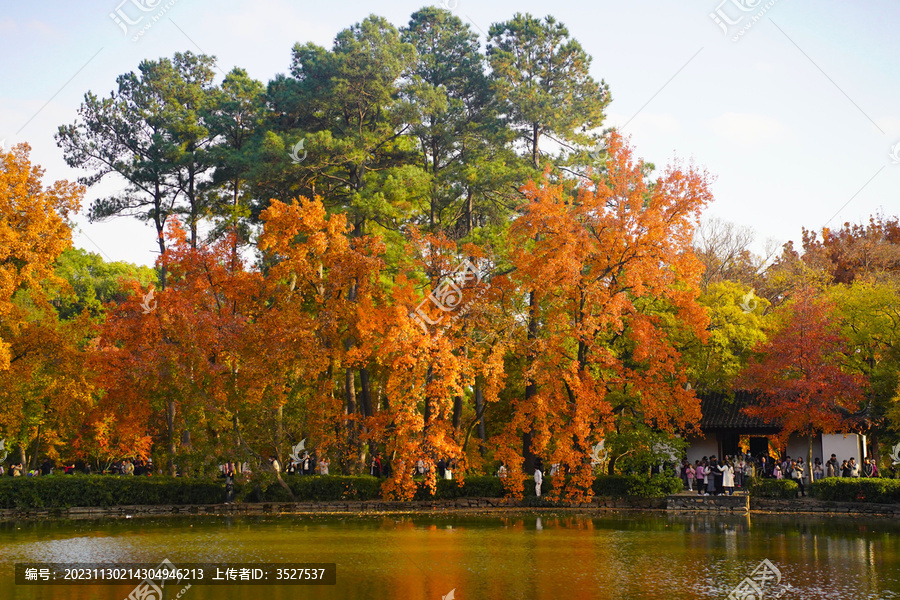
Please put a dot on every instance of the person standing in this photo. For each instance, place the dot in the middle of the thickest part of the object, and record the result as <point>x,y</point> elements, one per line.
<point>305,467</point>
<point>712,470</point>
<point>831,467</point>
<point>720,488</point>
<point>802,466</point>
<point>375,468</point>
<point>869,468</point>
<point>740,471</point>
<point>854,468</point>
<point>323,466</point>
<point>701,476</point>
<point>691,473</point>
<point>727,470</point>
<point>229,473</point>
<point>538,476</point>
<point>797,474</point>
<point>818,471</point>
<point>845,469</point>
<point>501,471</point>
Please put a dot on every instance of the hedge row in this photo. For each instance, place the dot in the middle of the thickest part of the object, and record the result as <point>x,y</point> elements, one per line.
<point>619,486</point>
<point>107,490</point>
<point>772,488</point>
<point>312,488</point>
<point>96,490</point>
<point>843,489</point>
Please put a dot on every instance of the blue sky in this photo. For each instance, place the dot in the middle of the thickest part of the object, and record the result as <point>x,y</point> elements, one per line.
<point>796,118</point>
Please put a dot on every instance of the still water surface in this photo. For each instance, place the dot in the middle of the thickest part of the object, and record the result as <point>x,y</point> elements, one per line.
<point>550,556</point>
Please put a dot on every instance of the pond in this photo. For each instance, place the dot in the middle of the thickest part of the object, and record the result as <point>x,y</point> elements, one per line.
<point>548,555</point>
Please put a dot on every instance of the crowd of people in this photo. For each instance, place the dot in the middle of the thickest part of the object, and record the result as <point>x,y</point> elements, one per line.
<point>48,467</point>
<point>711,476</point>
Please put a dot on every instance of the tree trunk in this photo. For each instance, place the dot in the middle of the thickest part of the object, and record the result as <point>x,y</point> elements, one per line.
<point>368,410</point>
<point>479,410</point>
<point>469,211</point>
<point>160,221</point>
<point>279,432</point>
<point>365,394</point>
<point>809,457</point>
<point>349,468</point>
<point>876,454</point>
<point>457,412</point>
<point>426,417</point>
<point>22,458</point>
<point>37,449</point>
<point>530,386</point>
<point>170,424</point>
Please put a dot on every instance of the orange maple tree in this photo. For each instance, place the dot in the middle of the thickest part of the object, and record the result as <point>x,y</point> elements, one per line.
<point>33,227</point>
<point>611,270</point>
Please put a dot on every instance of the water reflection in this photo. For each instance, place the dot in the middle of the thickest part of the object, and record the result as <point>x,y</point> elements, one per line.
<point>540,556</point>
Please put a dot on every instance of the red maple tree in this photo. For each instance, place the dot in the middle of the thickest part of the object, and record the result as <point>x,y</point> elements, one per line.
<point>798,373</point>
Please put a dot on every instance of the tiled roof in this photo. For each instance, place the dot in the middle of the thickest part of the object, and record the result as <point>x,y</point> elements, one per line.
<point>723,411</point>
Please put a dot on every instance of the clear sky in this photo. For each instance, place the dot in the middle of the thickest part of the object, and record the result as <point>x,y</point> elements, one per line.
<point>793,106</point>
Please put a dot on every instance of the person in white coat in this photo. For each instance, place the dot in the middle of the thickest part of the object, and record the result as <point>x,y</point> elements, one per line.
<point>727,469</point>
<point>538,476</point>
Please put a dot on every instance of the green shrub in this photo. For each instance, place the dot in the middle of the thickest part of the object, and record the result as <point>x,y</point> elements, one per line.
<point>481,486</point>
<point>325,488</point>
<point>852,489</point>
<point>637,486</point>
<point>474,486</point>
<point>772,488</point>
<point>63,491</point>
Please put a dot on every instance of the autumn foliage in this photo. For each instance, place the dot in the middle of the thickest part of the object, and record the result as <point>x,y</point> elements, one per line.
<point>579,323</point>
<point>799,373</point>
<point>613,281</point>
<point>33,229</point>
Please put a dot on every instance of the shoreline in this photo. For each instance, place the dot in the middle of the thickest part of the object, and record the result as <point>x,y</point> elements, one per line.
<point>673,505</point>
